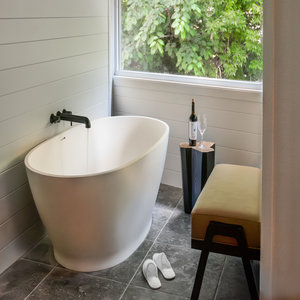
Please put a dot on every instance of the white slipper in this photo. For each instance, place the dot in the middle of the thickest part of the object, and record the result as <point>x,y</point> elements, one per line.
<point>164,265</point>
<point>151,274</point>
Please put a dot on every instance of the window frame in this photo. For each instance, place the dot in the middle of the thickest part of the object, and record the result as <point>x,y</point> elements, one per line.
<point>204,81</point>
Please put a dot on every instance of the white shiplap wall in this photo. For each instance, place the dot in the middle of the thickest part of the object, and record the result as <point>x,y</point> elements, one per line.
<point>53,55</point>
<point>234,117</point>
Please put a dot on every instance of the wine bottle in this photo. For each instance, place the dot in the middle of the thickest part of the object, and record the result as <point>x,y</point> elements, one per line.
<point>193,126</point>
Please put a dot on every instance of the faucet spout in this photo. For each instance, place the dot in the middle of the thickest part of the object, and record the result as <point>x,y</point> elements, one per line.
<point>68,116</point>
<point>74,118</point>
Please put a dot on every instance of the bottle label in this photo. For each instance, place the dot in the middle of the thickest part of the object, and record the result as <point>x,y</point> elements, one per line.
<point>193,130</point>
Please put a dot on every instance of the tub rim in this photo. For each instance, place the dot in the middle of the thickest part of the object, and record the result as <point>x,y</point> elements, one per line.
<point>122,166</point>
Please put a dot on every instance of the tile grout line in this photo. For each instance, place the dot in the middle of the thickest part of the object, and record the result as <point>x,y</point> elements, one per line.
<point>40,282</point>
<point>38,262</point>
<point>150,249</point>
<point>219,282</point>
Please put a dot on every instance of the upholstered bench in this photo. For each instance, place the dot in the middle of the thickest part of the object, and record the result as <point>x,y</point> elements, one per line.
<point>226,219</point>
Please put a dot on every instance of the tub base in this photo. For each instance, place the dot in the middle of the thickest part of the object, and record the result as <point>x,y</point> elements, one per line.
<point>84,264</point>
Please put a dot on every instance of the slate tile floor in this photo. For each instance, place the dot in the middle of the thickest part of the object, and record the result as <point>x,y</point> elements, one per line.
<point>38,276</point>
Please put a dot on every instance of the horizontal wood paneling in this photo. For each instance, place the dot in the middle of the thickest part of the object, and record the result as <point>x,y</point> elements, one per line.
<point>17,224</point>
<point>237,139</point>
<point>173,162</point>
<point>223,155</point>
<point>54,8</point>
<point>235,156</point>
<point>218,103</point>
<point>53,55</point>
<point>13,129</point>
<point>97,111</point>
<point>234,117</point>
<point>217,118</point>
<point>26,30</point>
<point>11,179</point>
<point>172,178</point>
<point>226,138</point>
<point>18,55</point>
<point>14,80</point>
<point>23,101</point>
<point>14,202</point>
<point>20,245</point>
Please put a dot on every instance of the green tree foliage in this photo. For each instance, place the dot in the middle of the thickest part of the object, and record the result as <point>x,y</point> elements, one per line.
<point>209,38</point>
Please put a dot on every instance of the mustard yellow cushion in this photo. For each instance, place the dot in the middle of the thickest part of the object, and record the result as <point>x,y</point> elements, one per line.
<point>231,195</point>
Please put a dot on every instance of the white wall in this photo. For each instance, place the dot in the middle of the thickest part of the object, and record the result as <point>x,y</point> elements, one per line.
<point>53,55</point>
<point>234,117</point>
<point>280,263</point>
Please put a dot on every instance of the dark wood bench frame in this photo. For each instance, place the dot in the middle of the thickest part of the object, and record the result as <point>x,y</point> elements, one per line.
<point>241,250</point>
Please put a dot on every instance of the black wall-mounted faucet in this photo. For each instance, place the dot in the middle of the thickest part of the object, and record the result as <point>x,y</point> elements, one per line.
<point>67,116</point>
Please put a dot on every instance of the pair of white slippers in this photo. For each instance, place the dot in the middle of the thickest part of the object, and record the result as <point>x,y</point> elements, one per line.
<point>151,266</point>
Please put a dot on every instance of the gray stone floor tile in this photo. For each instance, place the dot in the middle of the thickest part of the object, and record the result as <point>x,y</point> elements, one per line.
<point>21,278</point>
<point>178,230</point>
<point>42,252</point>
<point>184,262</point>
<point>168,196</point>
<point>233,284</point>
<point>66,284</point>
<point>213,271</point>
<point>138,293</point>
<point>124,271</point>
<point>167,200</point>
<point>160,217</point>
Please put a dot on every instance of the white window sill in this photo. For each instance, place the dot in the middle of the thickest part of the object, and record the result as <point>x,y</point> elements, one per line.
<point>193,80</point>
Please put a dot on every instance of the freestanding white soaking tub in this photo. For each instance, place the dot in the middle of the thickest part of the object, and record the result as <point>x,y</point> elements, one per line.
<point>95,188</point>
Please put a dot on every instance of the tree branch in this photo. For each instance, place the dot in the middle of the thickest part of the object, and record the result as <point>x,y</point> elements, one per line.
<point>170,23</point>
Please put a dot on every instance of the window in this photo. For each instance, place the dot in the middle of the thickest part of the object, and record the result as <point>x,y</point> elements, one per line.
<point>206,38</point>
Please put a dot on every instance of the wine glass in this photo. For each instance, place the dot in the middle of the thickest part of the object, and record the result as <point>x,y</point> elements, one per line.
<point>202,125</point>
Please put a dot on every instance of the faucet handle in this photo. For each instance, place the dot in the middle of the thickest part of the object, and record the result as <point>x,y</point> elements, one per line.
<point>66,111</point>
<point>54,118</point>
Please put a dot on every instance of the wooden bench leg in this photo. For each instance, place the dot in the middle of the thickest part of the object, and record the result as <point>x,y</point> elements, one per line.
<point>250,278</point>
<point>240,236</point>
<point>199,275</point>
<point>202,263</point>
<point>232,230</point>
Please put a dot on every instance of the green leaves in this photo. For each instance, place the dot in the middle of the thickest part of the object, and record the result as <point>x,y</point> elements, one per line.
<point>213,38</point>
<point>156,44</point>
